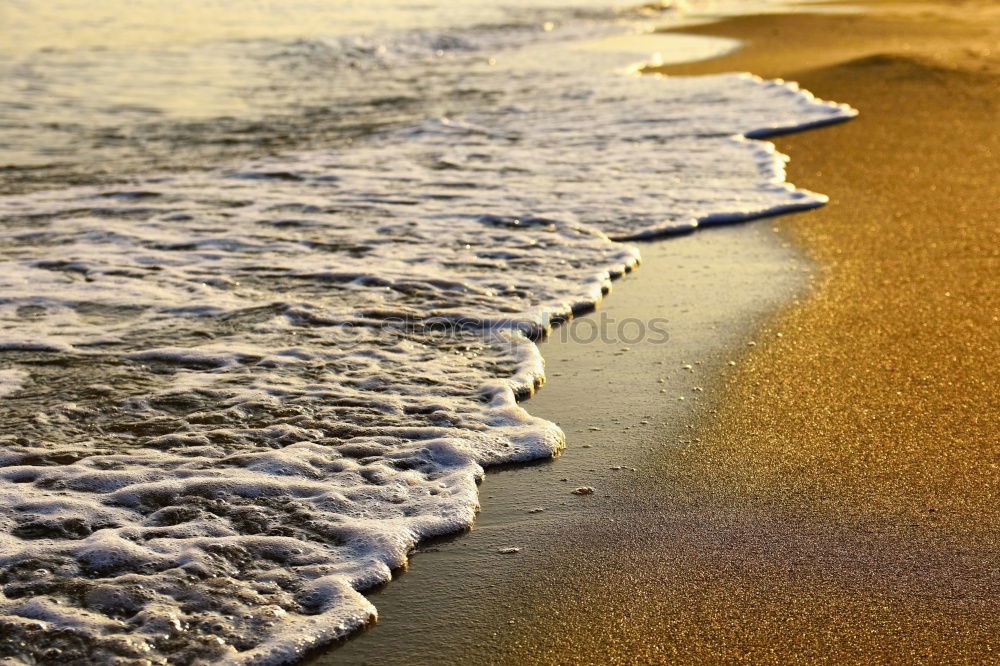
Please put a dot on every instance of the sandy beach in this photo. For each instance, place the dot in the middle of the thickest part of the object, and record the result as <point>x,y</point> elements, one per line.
<point>842,504</point>
<point>280,286</point>
<point>830,494</point>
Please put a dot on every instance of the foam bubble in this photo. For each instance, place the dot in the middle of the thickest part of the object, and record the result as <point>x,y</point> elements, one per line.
<point>12,381</point>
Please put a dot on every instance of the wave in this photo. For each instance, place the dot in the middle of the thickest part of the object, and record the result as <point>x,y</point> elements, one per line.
<point>235,400</point>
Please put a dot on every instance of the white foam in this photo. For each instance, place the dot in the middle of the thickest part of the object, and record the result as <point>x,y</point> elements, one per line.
<point>299,367</point>
<point>12,381</point>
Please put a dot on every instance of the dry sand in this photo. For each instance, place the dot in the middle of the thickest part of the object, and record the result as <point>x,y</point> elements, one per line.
<point>843,504</point>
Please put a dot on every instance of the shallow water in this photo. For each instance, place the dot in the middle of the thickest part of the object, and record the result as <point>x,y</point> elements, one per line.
<point>237,395</point>
<point>89,91</point>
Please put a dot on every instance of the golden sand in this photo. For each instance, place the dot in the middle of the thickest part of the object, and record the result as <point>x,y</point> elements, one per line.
<point>882,395</point>
<point>883,392</point>
<point>843,504</point>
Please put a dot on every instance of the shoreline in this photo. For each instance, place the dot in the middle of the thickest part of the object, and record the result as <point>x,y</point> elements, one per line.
<point>727,551</point>
<point>241,630</point>
<point>748,273</point>
<point>840,507</point>
<point>613,410</point>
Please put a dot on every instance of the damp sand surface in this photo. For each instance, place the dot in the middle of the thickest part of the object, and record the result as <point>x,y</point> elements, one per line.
<point>619,400</point>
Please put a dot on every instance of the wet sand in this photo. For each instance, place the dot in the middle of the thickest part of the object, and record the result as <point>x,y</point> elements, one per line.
<point>842,504</point>
<point>616,399</point>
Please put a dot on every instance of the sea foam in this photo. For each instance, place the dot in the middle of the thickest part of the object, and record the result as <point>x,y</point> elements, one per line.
<point>246,394</point>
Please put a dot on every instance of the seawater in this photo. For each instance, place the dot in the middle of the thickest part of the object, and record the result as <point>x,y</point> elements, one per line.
<point>267,314</point>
